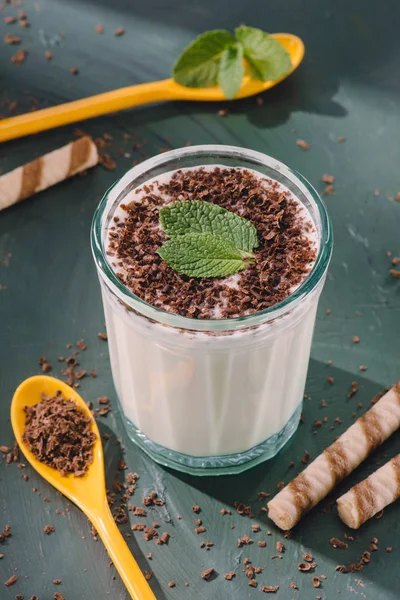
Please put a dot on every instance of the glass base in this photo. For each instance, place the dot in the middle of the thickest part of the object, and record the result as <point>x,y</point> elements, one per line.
<point>226,464</point>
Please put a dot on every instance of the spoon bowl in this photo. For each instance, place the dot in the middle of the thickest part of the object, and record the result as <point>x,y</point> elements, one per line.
<point>87,492</point>
<point>144,93</point>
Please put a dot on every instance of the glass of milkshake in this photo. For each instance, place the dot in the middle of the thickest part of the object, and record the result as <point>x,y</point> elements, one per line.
<point>210,372</point>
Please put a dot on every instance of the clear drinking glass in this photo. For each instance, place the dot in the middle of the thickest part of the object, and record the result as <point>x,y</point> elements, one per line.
<point>210,396</point>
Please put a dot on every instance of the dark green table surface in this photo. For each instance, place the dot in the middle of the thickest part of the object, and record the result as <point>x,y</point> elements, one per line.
<point>347,86</point>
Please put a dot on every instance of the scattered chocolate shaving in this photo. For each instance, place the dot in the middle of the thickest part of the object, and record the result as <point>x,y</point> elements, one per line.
<point>308,557</point>
<point>316,582</point>
<point>328,179</point>
<point>48,55</point>
<point>330,380</point>
<point>164,538</point>
<point>11,581</point>
<point>11,39</point>
<point>353,390</point>
<point>306,458</point>
<point>229,575</point>
<point>59,434</point>
<point>99,28</point>
<point>262,543</point>
<point>57,581</point>
<point>279,547</point>
<point>223,112</point>
<point>58,596</point>
<point>270,589</point>
<point>102,336</point>
<point>303,145</point>
<point>208,573</point>
<point>108,163</point>
<point>148,575</point>
<point>293,586</point>
<point>200,529</point>
<point>255,528</point>
<point>356,339</point>
<point>9,20</point>
<point>394,273</point>
<point>304,567</point>
<point>120,31</point>
<point>196,508</point>
<point>244,541</point>
<point>171,584</point>
<point>252,583</point>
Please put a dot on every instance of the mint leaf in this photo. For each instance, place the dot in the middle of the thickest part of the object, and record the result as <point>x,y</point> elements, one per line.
<point>195,216</point>
<point>231,71</point>
<point>203,255</point>
<point>198,65</point>
<point>267,58</point>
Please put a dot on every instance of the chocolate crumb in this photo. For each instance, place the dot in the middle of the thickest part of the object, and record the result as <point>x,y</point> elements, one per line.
<point>303,145</point>
<point>171,584</point>
<point>196,508</point>
<point>164,538</point>
<point>102,336</point>
<point>262,543</point>
<point>99,28</point>
<point>11,580</point>
<point>356,339</point>
<point>229,575</point>
<point>208,573</point>
<point>389,549</point>
<point>200,529</point>
<point>316,582</point>
<point>336,543</point>
<point>74,70</point>
<point>255,528</point>
<point>9,20</point>
<point>330,380</point>
<point>49,529</point>
<point>279,547</point>
<point>57,581</point>
<point>244,541</point>
<point>304,567</point>
<point>353,389</point>
<point>293,586</point>
<point>308,557</point>
<point>48,55</point>
<point>328,179</point>
<point>58,596</point>
<point>108,163</point>
<point>252,583</point>
<point>223,112</point>
<point>270,589</point>
<point>394,273</point>
<point>120,31</point>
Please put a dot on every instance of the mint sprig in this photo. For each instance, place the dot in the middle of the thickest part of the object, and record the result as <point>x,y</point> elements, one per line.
<point>217,57</point>
<point>206,240</point>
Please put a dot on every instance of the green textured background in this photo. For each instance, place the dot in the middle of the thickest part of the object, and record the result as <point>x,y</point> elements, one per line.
<point>347,86</point>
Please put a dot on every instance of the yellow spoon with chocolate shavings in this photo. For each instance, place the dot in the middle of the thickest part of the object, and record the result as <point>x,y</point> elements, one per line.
<point>143,93</point>
<point>87,492</point>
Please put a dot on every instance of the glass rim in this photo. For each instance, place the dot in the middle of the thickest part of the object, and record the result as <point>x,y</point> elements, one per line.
<point>108,275</point>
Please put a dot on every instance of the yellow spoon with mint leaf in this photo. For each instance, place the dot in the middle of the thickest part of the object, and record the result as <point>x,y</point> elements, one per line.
<point>87,492</point>
<point>144,93</point>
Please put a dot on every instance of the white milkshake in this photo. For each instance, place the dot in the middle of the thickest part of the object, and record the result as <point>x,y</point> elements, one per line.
<point>222,391</point>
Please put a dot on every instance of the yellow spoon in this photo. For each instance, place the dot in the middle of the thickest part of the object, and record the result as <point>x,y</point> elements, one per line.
<point>134,95</point>
<point>87,492</point>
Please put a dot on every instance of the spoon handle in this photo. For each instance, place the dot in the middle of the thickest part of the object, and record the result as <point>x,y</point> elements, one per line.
<point>120,555</point>
<point>86,108</point>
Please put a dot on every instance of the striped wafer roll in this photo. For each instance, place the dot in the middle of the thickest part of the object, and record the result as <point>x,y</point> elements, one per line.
<point>370,496</point>
<point>47,170</point>
<point>337,461</point>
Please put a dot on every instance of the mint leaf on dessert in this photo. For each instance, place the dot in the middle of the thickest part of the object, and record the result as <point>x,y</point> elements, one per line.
<point>267,58</point>
<point>231,71</point>
<point>195,216</point>
<point>204,255</point>
<point>198,65</point>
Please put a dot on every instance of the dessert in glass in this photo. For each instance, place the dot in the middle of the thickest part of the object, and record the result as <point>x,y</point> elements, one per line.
<point>210,371</point>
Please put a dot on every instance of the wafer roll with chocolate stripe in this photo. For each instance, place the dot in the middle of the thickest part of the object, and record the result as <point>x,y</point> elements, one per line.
<point>47,170</point>
<point>337,461</point>
<point>370,496</point>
